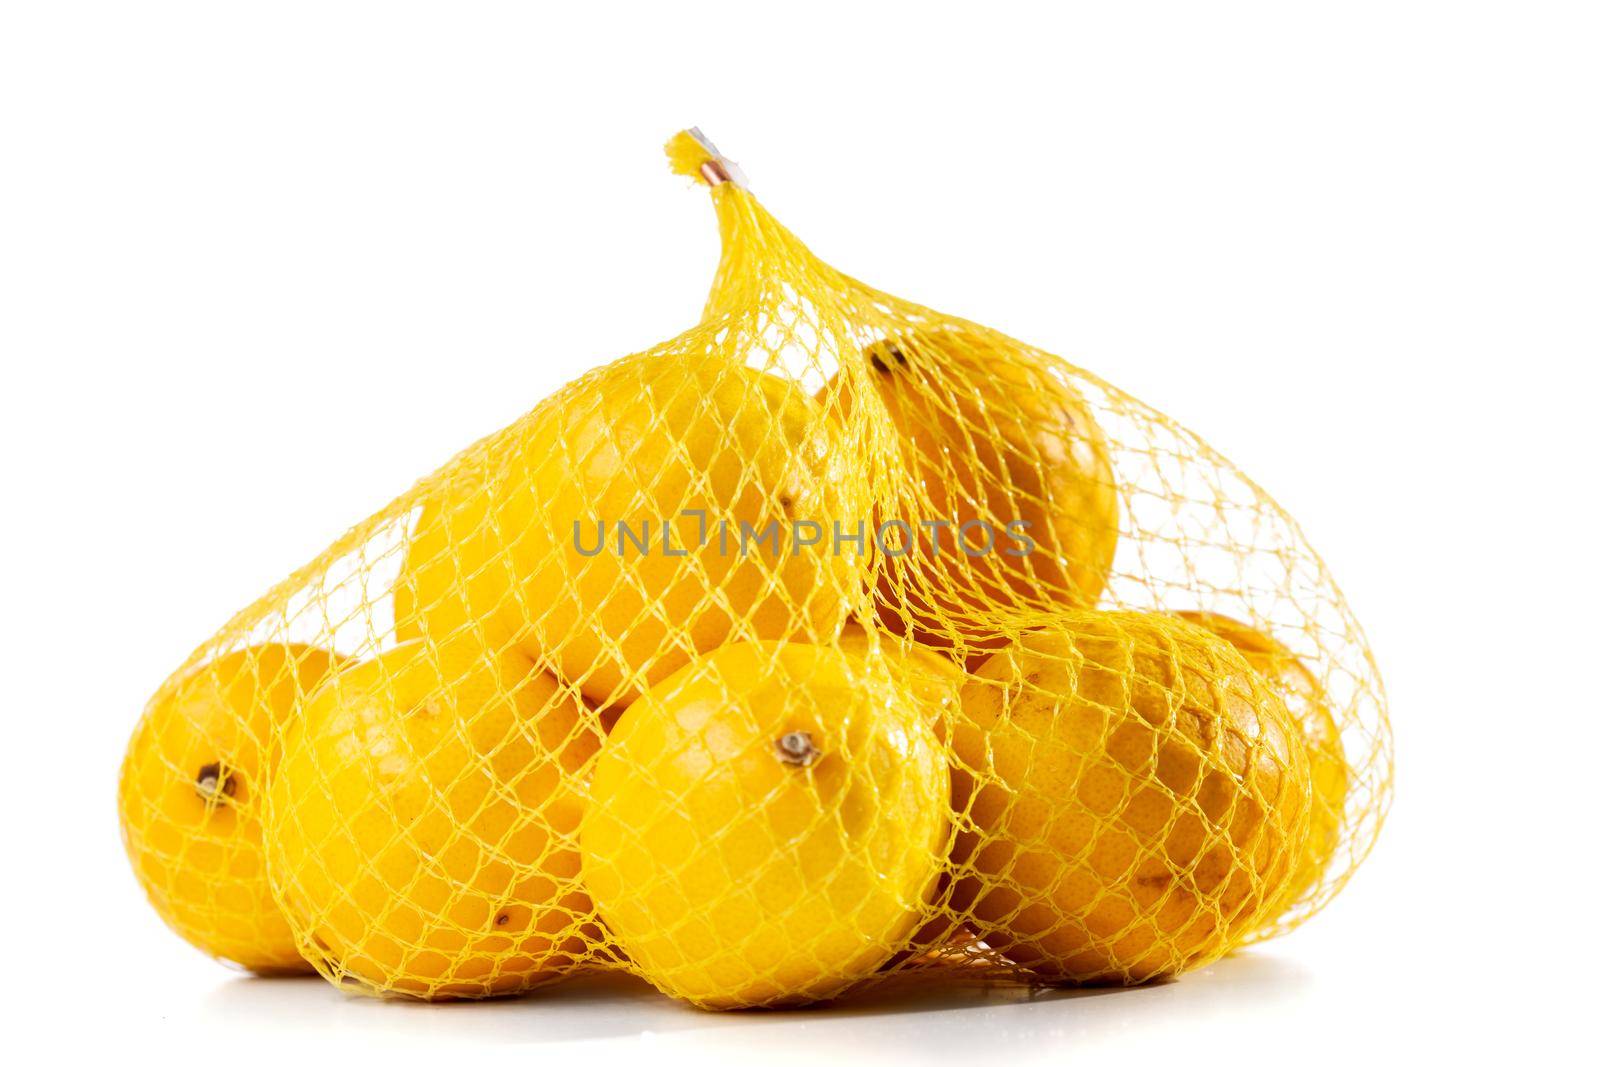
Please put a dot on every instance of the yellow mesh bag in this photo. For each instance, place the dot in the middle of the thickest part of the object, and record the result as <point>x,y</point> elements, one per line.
<point>833,639</point>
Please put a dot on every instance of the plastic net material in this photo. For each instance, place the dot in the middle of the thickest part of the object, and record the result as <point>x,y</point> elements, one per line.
<point>833,639</point>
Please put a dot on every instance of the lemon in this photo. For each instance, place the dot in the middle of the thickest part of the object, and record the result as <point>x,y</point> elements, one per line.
<point>190,799</point>
<point>1135,798</point>
<point>1308,703</point>
<point>766,826</point>
<point>688,451</point>
<point>423,824</point>
<point>1013,503</point>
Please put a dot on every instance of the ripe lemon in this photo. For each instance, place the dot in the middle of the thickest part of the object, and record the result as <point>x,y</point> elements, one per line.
<point>675,447</point>
<point>190,799</point>
<point>990,438</point>
<point>1137,796</point>
<point>423,824</point>
<point>766,826</point>
<point>1308,703</point>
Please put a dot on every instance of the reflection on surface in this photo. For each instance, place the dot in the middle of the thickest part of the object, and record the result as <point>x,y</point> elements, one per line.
<point>909,1018</point>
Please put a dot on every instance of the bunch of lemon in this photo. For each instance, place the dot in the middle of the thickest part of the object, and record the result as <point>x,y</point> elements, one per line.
<point>918,733</point>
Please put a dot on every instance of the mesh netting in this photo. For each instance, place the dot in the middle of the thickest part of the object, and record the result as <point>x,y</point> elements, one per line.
<point>832,639</point>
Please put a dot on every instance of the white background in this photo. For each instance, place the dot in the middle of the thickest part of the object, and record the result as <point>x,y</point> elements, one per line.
<point>263,265</point>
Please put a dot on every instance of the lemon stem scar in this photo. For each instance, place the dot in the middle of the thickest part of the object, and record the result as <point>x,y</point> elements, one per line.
<point>797,749</point>
<point>214,782</point>
<point>893,352</point>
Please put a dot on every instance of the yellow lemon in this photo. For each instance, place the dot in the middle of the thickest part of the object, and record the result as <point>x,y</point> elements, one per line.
<point>646,513</point>
<point>1308,703</point>
<point>1136,798</point>
<point>424,819</point>
<point>766,826</point>
<point>191,794</point>
<point>1015,505</point>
